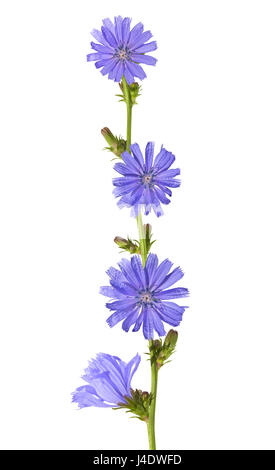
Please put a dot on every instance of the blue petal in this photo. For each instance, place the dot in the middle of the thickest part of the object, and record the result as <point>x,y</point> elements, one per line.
<point>140,40</point>
<point>175,293</point>
<point>108,291</point>
<point>114,73</point>
<point>150,267</point>
<point>131,369</point>
<point>100,63</point>
<point>103,49</point>
<point>136,70</point>
<point>138,270</point>
<point>115,274</point>
<point>135,33</point>
<point>109,24</point>
<point>128,322</point>
<point>168,173</point>
<point>125,181</point>
<point>124,289</point>
<point>144,59</point>
<point>106,389</point>
<point>149,47</point>
<point>109,66</point>
<point>123,304</point>
<point>115,318</point>
<point>127,270</point>
<point>139,321</point>
<point>163,160</point>
<point>99,37</point>
<point>86,396</point>
<point>173,309</point>
<point>148,330</point>
<point>160,273</point>
<point>172,183</point>
<point>118,30</point>
<point>123,169</point>
<point>97,56</point>
<point>158,325</point>
<point>157,209</point>
<point>171,278</point>
<point>149,155</point>
<point>125,30</point>
<point>128,76</point>
<point>128,188</point>
<point>120,71</point>
<point>135,149</point>
<point>114,369</point>
<point>135,196</point>
<point>170,312</point>
<point>161,196</point>
<point>164,188</point>
<point>130,162</point>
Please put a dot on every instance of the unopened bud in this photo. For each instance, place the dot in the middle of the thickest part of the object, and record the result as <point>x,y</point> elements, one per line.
<point>127,245</point>
<point>160,352</point>
<point>108,136</point>
<point>134,89</point>
<point>117,145</point>
<point>171,340</point>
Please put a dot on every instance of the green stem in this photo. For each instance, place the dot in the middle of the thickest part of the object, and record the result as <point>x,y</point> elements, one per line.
<point>142,240</point>
<point>129,106</point>
<point>152,412</point>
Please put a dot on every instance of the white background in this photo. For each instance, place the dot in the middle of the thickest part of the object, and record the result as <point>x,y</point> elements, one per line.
<point>210,100</point>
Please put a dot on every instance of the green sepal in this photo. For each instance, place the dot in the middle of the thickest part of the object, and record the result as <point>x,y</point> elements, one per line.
<point>134,89</point>
<point>138,404</point>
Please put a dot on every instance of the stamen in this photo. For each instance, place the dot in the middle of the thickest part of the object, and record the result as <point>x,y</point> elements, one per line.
<point>146,297</point>
<point>147,178</point>
<point>123,54</point>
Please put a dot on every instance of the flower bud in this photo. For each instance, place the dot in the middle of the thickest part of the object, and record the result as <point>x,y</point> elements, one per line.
<point>148,237</point>
<point>134,89</point>
<point>160,352</point>
<point>127,245</point>
<point>108,136</point>
<point>117,145</point>
<point>135,92</point>
<point>171,340</point>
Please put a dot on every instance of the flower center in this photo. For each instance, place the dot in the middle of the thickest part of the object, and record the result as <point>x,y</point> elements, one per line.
<point>122,54</point>
<point>145,297</point>
<point>147,178</point>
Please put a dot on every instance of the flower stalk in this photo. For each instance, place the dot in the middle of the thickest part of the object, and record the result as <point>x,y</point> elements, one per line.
<point>129,106</point>
<point>152,409</point>
<point>144,252</point>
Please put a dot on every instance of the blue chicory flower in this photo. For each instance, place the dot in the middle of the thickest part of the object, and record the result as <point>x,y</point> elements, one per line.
<point>141,296</point>
<point>109,381</point>
<point>121,50</point>
<point>144,184</point>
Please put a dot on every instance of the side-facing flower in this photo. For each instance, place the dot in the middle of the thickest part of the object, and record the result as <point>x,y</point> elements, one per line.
<point>121,49</point>
<point>141,295</point>
<point>144,184</point>
<point>109,381</point>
